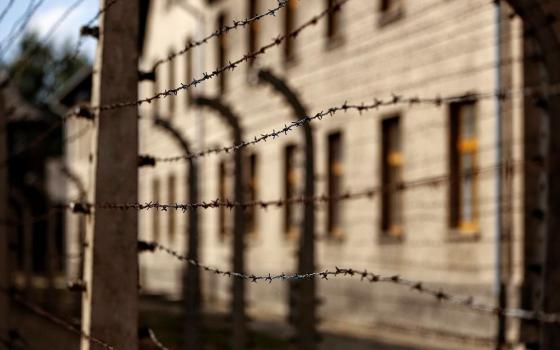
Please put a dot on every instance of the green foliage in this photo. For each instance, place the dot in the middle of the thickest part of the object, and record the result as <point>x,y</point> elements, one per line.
<point>39,69</point>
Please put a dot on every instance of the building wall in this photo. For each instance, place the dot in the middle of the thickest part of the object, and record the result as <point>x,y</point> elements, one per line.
<point>436,48</point>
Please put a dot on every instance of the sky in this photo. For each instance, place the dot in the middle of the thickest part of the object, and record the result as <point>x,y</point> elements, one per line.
<point>48,12</point>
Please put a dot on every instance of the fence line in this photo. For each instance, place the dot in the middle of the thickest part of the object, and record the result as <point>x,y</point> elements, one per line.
<point>365,276</point>
<point>376,104</point>
<point>226,203</point>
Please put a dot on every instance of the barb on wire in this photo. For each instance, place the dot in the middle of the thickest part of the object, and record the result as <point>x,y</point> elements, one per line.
<point>36,309</point>
<point>230,66</point>
<point>221,31</point>
<point>366,276</point>
<point>345,107</point>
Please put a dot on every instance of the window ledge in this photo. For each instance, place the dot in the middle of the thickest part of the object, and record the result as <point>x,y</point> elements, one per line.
<point>390,17</point>
<point>387,238</point>
<point>335,237</point>
<point>334,42</point>
<point>290,62</point>
<point>456,235</point>
<point>291,235</point>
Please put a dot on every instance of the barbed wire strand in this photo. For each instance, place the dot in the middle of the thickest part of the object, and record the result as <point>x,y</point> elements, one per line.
<point>226,203</point>
<point>108,6</point>
<point>222,31</point>
<point>6,9</point>
<point>365,276</point>
<point>228,67</point>
<point>38,310</point>
<point>345,107</point>
<point>19,27</point>
<point>80,41</point>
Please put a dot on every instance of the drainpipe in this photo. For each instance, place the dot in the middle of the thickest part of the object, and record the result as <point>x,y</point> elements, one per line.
<point>499,286</point>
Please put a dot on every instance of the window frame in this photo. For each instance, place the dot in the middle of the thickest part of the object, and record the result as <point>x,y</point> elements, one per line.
<point>189,70</point>
<point>290,16</point>
<point>171,71</point>
<point>251,189</point>
<point>223,227</point>
<point>291,227</point>
<point>335,181</point>
<point>333,29</point>
<point>222,52</point>
<point>391,128</point>
<point>155,92</point>
<point>460,147</point>
<point>156,220</point>
<point>172,213</point>
<point>390,13</point>
<point>253,32</point>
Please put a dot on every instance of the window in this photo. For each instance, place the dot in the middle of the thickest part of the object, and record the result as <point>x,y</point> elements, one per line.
<point>222,53</point>
<point>290,191</point>
<point>188,71</point>
<point>171,215</point>
<point>289,21</point>
<point>390,10</point>
<point>155,91</point>
<point>223,191</point>
<point>171,85</point>
<point>333,23</point>
<point>334,183</point>
<point>391,177</point>
<point>251,194</point>
<point>253,31</point>
<point>462,178</point>
<point>155,213</point>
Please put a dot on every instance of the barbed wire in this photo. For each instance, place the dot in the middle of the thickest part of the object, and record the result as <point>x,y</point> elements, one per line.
<point>6,9</point>
<point>222,31</point>
<point>370,193</point>
<point>38,310</point>
<point>73,113</point>
<point>19,27</point>
<point>228,67</point>
<point>345,107</point>
<point>365,276</point>
<point>77,112</point>
<point>80,41</point>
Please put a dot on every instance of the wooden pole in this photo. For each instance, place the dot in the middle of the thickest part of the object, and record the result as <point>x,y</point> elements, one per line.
<point>4,239</point>
<point>542,263</point>
<point>110,302</point>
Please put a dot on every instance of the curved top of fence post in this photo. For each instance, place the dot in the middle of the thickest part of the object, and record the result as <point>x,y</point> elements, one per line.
<point>224,111</point>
